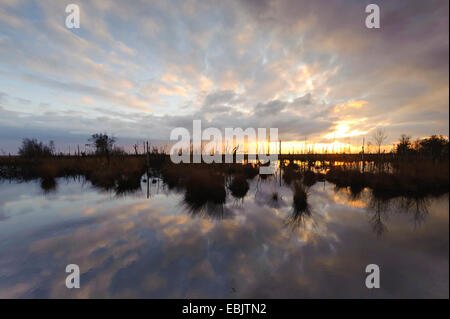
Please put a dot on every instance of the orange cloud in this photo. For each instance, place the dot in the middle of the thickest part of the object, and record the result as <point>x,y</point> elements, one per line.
<point>351,105</point>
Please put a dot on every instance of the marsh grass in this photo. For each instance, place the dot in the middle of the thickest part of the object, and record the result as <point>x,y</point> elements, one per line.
<point>418,179</point>
<point>208,182</point>
<point>291,174</point>
<point>300,198</point>
<point>121,174</point>
<point>239,186</point>
<point>309,178</point>
<point>275,196</point>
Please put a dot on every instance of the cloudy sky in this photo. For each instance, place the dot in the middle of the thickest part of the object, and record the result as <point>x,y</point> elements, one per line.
<point>137,69</point>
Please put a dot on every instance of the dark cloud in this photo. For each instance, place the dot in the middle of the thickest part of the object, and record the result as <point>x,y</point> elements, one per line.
<point>219,102</point>
<point>269,108</point>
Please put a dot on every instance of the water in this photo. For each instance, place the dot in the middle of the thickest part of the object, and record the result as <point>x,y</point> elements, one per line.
<point>255,247</point>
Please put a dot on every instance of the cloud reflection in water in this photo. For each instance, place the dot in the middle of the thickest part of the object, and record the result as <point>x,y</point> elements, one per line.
<point>158,247</point>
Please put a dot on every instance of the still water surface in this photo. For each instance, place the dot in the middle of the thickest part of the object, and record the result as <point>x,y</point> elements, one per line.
<point>255,247</point>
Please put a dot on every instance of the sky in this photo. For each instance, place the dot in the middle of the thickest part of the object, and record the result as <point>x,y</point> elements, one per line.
<point>137,69</point>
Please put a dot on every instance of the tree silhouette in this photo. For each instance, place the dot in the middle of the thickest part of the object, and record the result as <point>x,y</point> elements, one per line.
<point>34,148</point>
<point>103,143</point>
<point>379,136</point>
<point>434,146</point>
<point>404,145</point>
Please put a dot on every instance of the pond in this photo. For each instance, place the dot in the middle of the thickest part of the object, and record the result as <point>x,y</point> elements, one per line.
<point>156,246</point>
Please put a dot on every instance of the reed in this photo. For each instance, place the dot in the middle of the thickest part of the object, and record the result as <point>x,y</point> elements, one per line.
<point>300,198</point>
<point>417,179</point>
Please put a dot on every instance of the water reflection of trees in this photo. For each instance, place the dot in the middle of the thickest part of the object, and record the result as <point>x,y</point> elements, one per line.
<point>121,187</point>
<point>206,197</point>
<point>298,219</point>
<point>48,185</point>
<point>207,210</point>
<point>381,208</point>
<point>301,209</point>
<point>416,207</point>
<point>378,210</point>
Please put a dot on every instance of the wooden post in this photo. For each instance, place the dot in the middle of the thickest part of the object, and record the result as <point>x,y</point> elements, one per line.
<point>147,168</point>
<point>362,155</point>
<point>280,159</point>
<point>279,149</point>
<point>148,185</point>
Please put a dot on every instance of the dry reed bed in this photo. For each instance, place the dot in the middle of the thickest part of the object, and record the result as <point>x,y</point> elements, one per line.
<point>209,181</point>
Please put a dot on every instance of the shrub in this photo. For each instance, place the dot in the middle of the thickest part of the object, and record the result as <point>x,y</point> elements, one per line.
<point>32,148</point>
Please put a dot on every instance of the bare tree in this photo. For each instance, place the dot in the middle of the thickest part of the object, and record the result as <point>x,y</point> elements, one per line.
<point>379,137</point>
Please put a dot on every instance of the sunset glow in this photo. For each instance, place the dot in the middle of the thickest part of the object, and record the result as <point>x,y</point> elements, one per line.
<point>300,67</point>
